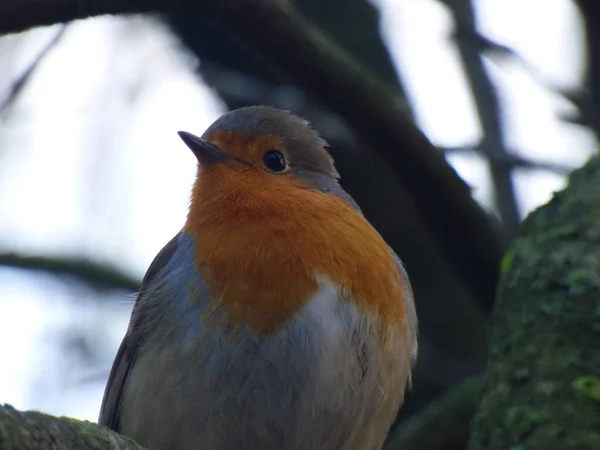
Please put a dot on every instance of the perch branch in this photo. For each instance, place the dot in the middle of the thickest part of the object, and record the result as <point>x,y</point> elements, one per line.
<point>36,431</point>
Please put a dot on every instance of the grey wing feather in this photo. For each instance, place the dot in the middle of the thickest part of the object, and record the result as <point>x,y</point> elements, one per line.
<point>111,403</point>
<point>109,411</point>
<point>411,313</point>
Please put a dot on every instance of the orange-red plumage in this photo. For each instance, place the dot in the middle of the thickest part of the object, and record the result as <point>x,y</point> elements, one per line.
<point>262,263</point>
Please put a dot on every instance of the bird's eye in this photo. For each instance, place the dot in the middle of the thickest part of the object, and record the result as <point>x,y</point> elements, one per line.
<point>275,161</point>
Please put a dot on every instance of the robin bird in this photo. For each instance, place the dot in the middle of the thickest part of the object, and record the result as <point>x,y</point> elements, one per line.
<point>277,318</point>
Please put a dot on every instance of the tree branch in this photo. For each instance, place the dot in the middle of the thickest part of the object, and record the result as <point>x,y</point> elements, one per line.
<point>19,84</point>
<point>488,111</point>
<point>98,276</point>
<point>36,431</point>
<point>542,386</point>
<point>510,159</point>
<point>462,230</point>
<point>443,424</point>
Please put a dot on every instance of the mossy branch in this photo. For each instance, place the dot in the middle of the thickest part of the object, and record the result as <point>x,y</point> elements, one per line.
<point>542,386</point>
<point>441,425</point>
<point>36,431</point>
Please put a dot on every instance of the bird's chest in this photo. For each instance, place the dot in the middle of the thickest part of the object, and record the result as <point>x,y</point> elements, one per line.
<point>207,384</point>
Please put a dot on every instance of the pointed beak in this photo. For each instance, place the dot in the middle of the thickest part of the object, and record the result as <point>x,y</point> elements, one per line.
<point>205,151</point>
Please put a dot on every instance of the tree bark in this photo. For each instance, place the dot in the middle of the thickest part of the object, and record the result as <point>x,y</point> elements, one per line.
<point>489,113</point>
<point>36,431</point>
<point>542,385</point>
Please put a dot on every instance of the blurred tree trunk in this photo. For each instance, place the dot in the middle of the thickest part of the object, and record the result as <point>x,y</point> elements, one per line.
<point>542,385</point>
<point>590,11</point>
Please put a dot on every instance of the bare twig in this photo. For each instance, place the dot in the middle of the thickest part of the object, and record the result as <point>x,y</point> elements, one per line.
<point>488,110</point>
<point>18,85</point>
<point>251,90</point>
<point>587,111</point>
<point>96,275</point>
<point>510,159</point>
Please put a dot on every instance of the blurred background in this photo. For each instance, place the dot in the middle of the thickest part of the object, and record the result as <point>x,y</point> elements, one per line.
<point>94,179</point>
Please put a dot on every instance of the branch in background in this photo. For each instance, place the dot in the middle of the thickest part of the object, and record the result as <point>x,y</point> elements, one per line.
<point>98,276</point>
<point>443,424</point>
<point>587,110</point>
<point>19,84</point>
<point>510,159</point>
<point>589,11</point>
<point>211,42</point>
<point>250,90</point>
<point>542,385</point>
<point>461,228</point>
<point>36,431</point>
<point>358,30</point>
<point>488,110</point>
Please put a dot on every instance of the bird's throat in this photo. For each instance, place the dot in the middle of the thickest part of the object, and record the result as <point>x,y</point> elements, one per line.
<point>261,247</point>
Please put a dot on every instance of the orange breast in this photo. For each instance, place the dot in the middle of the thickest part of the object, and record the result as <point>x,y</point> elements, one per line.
<point>260,241</point>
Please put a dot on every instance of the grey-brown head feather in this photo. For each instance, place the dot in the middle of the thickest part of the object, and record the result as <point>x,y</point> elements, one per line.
<point>307,151</point>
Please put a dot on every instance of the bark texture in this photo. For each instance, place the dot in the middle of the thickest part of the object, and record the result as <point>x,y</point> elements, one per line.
<point>32,430</point>
<point>542,385</point>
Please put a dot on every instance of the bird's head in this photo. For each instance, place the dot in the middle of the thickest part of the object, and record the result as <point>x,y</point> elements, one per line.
<point>262,149</point>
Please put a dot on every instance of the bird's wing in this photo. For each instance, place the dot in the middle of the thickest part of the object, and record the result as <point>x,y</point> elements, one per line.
<point>111,403</point>
<point>411,313</point>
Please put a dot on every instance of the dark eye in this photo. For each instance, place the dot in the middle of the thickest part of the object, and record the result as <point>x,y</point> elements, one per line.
<point>275,161</point>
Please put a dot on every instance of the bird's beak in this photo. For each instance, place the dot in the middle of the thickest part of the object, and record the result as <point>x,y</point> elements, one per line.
<point>205,151</point>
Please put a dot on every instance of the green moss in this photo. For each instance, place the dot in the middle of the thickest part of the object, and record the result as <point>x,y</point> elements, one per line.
<point>569,230</point>
<point>519,420</point>
<point>596,319</point>
<point>553,305</point>
<point>588,385</point>
<point>506,262</point>
<point>547,388</point>
<point>592,440</point>
<point>527,249</point>
<point>553,430</point>
<point>522,374</point>
<point>540,393</point>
